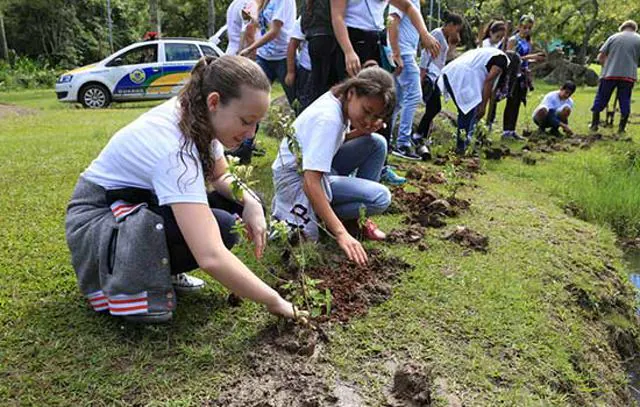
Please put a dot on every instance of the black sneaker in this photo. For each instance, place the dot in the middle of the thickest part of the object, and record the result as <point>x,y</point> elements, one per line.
<point>406,152</point>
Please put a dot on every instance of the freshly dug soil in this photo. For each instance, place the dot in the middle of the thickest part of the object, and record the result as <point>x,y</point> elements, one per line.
<point>355,288</point>
<point>468,238</point>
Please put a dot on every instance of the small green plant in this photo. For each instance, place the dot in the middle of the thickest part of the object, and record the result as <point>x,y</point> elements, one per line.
<point>454,181</point>
<point>306,293</point>
<point>241,177</point>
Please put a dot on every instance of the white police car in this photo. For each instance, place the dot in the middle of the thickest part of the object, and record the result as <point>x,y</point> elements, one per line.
<point>147,70</point>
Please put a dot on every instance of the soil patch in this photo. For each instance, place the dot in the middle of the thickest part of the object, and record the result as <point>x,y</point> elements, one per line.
<point>356,288</point>
<point>278,375</point>
<point>412,386</point>
<point>405,236</point>
<point>426,208</point>
<point>468,238</point>
<point>12,111</point>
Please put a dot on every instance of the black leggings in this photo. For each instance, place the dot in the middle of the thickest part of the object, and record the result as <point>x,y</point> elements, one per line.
<point>225,212</point>
<point>512,109</point>
<point>432,108</point>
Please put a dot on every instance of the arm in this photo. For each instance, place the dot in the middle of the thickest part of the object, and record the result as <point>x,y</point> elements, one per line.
<point>252,214</point>
<point>313,189</point>
<point>201,232</point>
<point>423,74</point>
<point>273,32</point>
<point>428,42</point>
<point>294,43</point>
<point>394,39</point>
<point>602,58</point>
<point>351,59</point>
<point>487,89</point>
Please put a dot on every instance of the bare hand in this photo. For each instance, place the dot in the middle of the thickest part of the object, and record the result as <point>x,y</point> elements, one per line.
<point>352,62</point>
<point>253,217</point>
<point>285,309</point>
<point>245,52</point>
<point>352,248</point>
<point>290,79</point>
<point>431,44</point>
<point>397,59</point>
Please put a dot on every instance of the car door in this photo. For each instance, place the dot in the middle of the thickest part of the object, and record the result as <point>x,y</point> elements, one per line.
<point>137,70</point>
<point>179,60</point>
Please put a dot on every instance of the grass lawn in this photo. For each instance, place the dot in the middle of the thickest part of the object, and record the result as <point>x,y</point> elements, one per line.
<point>535,321</point>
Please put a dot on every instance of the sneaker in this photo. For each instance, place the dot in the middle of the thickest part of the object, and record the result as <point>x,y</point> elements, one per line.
<point>370,231</point>
<point>405,152</point>
<point>185,283</point>
<point>511,134</point>
<point>150,318</point>
<point>389,176</point>
<point>424,152</point>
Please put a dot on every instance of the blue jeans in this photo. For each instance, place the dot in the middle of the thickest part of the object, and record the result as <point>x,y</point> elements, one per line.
<point>605,89</point>
<point>466,122</point>
<point>409,95</point>
<point>365,156</point>
<point>277,69</point>
<point>551,120</point>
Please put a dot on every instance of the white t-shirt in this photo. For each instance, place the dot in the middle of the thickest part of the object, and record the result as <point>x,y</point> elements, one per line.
<point>303,55</point>
<point>236,24</point>
<point>320,131</point>
<point>371,18</point>
<point>552,101</point>
<point>434,66</point>
<point>486,43</point>
<point>284,11</point>
<point>146,154</point>
<point>408,35</point>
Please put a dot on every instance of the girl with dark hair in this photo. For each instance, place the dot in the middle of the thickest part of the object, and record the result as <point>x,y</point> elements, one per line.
<point>470,80</point>
<point>430,70</point>
<point>312,171</point>
<point>521,44</point>
<point>493,35</point>
<point>140,215</point>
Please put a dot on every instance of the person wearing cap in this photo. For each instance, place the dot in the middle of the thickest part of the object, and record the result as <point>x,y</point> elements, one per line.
<point>619,57</point>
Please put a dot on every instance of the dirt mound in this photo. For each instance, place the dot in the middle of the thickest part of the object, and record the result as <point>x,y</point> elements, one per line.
<point>549,144</point>
<point>355,288</point>
<point>468,238</point>
<point>13,111</point>
<point>425,176</point>
<point>426,208</point>
<point>405,236</point>
<point>412,386</point>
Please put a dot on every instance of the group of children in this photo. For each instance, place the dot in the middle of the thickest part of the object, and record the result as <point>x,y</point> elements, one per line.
<point>157,202</point>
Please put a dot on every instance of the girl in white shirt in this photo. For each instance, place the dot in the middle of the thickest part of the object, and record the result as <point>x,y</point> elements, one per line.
<point>162,159</point>
<point>317,185</point>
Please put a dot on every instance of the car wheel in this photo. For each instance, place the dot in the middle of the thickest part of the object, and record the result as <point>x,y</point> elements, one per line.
<point>95,96</point>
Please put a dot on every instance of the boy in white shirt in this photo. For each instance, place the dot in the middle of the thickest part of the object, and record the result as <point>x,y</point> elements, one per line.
<point>554,110</point>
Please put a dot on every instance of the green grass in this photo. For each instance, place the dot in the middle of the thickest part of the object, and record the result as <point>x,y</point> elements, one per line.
<point>500,328</point>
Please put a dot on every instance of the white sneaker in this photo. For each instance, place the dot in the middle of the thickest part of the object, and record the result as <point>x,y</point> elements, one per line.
<point>185,283</point>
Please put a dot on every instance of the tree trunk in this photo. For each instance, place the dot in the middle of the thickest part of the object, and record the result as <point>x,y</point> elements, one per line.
<point>154,16</point>
<point>3,38</point>
<point>211,26</point>
<point>588,31</point>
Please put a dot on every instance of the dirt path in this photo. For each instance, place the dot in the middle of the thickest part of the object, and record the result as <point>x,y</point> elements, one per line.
<point>7,110</point>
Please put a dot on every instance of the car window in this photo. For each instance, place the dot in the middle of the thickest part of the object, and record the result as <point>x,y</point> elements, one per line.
<point>145,54</point>
<point>181,52</point>
<point>208,51</point>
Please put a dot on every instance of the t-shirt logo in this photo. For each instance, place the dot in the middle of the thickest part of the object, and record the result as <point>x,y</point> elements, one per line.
<point>138,76</point>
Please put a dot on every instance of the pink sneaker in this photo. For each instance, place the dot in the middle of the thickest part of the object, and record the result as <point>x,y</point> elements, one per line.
<point>370,231</point>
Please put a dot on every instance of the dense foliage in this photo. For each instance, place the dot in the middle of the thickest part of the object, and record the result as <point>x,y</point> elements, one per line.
<point>69,33</point>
